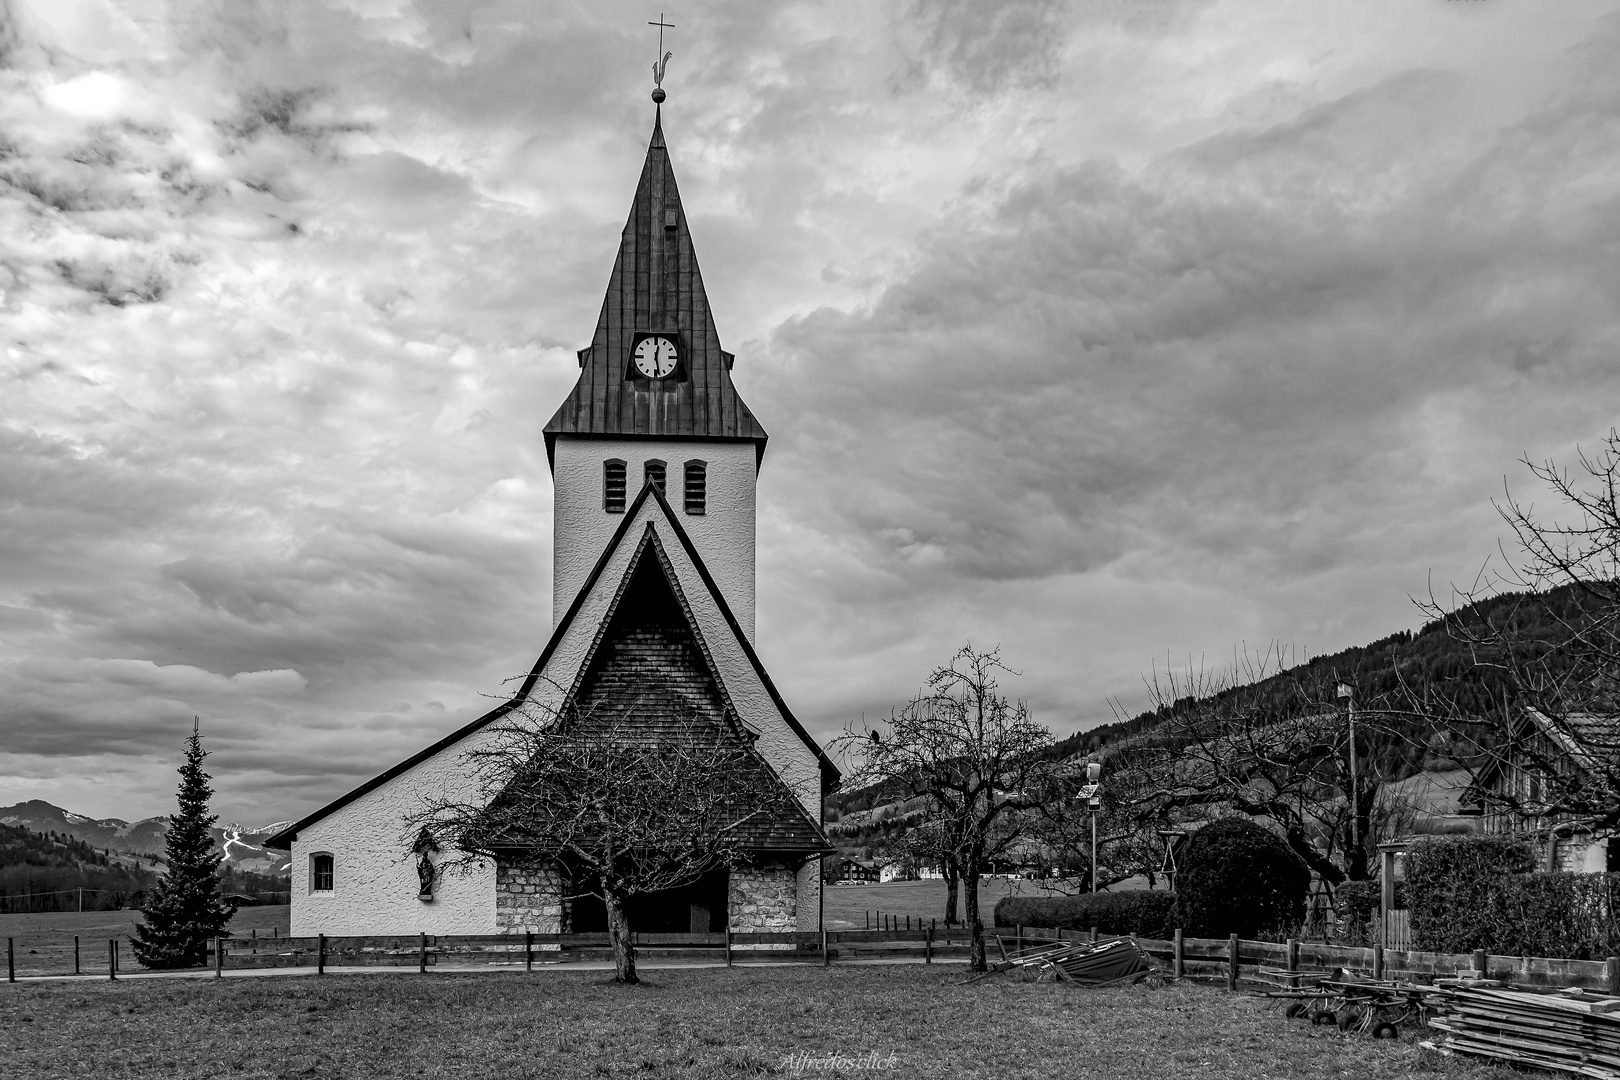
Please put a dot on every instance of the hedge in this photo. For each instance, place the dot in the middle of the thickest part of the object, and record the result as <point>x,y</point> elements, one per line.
<point>1454,887</point>
<point>1134,911</point>
<point>1238,878</point>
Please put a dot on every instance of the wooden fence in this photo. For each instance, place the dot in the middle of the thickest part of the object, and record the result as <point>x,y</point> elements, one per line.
<point>1231,960</point>
<point>1234,960</point>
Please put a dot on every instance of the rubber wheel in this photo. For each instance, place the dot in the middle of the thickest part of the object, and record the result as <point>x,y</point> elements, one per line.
<point>1296,1009</point>
<point>1346,1018</point>
<point>1385,1030</point>
<point>1322,1018</point>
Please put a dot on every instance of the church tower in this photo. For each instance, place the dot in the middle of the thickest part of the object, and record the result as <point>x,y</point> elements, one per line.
<point>654,459</point>
<point>655,405</point>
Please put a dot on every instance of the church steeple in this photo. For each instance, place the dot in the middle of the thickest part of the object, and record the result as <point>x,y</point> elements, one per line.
<point>655,288</point>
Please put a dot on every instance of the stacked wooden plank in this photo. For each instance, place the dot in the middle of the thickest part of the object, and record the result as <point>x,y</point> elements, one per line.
<point>1090,962</point>
<point>1569,1032</point>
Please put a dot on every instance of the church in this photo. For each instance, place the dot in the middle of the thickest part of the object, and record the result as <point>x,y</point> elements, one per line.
<point>654,460</point>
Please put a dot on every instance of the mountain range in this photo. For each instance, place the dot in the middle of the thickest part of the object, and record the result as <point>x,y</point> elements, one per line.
<point>242,846</point>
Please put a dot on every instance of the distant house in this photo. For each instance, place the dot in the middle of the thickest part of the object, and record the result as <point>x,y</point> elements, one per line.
<point>856,870</point>
<point>897,870</point>
<point>1581,745</point>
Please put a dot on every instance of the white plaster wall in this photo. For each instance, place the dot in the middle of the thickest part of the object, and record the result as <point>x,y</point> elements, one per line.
<point>723,535</point>
<point>374,871</point>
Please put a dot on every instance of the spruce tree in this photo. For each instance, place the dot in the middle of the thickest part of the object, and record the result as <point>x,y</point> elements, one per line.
<point>185,910</point>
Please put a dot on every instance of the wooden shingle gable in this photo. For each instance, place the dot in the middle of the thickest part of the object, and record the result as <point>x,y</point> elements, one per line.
<point>655,286</point>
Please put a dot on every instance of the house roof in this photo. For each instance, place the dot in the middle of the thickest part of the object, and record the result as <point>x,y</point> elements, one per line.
<point>655,286</point>
<point>1590,740</point>
<point>829,772</point>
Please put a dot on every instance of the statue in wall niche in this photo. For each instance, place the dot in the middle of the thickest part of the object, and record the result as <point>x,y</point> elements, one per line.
<point>425,870</point>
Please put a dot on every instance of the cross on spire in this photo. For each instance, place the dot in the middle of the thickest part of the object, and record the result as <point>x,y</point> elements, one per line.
<point>660,65</point>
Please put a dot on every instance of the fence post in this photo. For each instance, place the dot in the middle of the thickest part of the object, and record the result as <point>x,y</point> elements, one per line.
<point>75,954</point>
<point>320,954</point>
<point>1479,963</point>
<point>11,961</point>
<point>908,924</point>
<point>1018,939</point>
<point>421,956</point>
<point>528,950</point>
<point>868,916</point>
<point>1178,957</point>
<point>112,958</point>
<point>219,958</point>
<point>826,957</point>
<point>928,945</point>
<point>1232,962</point>
<point>1093,933</point>
<point>1378,960</point>
<point>1293,954</point>
<point>728,946</point>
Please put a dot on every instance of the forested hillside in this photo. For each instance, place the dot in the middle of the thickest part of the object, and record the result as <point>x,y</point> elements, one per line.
<point>1396,670</point>
<point>44,871</point>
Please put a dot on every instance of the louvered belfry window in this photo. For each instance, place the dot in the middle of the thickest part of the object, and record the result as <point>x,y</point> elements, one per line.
<point>654,474</point>
<point>697,487</point>
<point>613,486</point>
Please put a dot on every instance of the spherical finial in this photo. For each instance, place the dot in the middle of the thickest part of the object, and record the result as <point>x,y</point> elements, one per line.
<point>658,95</point>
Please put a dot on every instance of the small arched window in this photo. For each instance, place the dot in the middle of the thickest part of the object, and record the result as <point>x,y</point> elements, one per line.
<point>654,474</point>
<point>320,872</point>
<point>613,486</point>
<point>697,487</point>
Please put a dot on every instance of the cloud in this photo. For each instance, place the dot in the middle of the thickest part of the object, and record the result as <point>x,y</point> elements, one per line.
<point>1094,329</point>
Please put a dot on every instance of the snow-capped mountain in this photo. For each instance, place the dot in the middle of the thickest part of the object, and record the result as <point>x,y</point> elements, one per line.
<point>243,846</point>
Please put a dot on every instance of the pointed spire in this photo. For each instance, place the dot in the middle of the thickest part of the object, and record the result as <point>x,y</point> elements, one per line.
<point>655,286</point>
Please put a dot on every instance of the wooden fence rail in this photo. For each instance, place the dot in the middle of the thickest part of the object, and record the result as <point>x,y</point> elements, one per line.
<point>1229,960</point>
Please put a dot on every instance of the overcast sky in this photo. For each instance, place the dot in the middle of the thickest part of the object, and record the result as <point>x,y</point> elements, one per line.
<point>1105,331</point>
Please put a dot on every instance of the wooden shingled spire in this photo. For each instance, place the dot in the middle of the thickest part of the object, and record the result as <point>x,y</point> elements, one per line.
<point>655,286</point>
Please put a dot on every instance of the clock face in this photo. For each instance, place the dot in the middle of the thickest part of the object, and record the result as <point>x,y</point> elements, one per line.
<point>655,357</point>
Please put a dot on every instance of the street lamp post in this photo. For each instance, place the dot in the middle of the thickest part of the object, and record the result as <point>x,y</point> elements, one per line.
<point>1093,793</point>
<point>1348,696</point>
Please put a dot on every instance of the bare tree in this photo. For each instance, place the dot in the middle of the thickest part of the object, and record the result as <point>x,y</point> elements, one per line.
<point>1545,630</point>
<point>613,808</point>
<point>974,753</point>
<point>1270,742</point>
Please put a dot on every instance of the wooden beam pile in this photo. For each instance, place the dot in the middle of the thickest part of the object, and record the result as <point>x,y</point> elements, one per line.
<point>1569,1032</point>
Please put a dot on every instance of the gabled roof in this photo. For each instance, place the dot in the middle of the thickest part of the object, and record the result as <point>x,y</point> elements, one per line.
<point>1589,741</point>
<point>649,680</point>
<point>829,772</point>
<point>655,285</point>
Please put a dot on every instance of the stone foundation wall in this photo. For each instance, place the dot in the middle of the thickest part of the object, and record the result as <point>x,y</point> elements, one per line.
<point>527,900</point>
<point>764,898</point>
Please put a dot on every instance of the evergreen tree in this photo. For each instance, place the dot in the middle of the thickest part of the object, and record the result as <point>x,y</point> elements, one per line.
<point>184,910</point>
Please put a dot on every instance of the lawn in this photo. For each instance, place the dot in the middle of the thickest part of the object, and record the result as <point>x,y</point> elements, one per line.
<point>683,1023</point>
<point>845,906</point>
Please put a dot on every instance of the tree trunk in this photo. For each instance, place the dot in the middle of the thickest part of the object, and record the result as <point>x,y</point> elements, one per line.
<point>970,896</point>
<point>1311,857</point>
<point>624,953</point>
<point>948,868</point>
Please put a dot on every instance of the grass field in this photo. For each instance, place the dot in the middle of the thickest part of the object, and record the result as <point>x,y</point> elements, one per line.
<point>846,905</point>
<point>683,1023</point>
<point>44,940</point>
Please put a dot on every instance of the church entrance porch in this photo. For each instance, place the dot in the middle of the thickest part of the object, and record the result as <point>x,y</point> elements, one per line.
<point>698,908</point>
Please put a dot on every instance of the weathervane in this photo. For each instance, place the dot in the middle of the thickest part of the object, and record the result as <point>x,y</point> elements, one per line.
<point>660,65</point>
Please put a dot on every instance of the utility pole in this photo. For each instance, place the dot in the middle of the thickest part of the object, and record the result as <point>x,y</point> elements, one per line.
<point>1348,696</point>
<point>1093,794</point>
